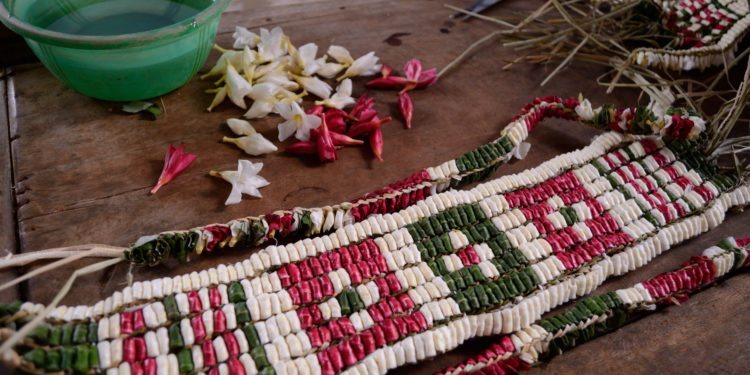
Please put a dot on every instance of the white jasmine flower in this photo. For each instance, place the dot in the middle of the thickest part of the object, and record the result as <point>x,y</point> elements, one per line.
<point>237,87</point>
<point>264,100</point>
<point>660,127</point>
<point>271,45</point>
<point>315,86</point>
<point>286,96</point>
<point>366,65</point>
<point>342,98</point>
<point>249,58</point>
<point>328,69</point>
<point>280,78</point>
<point>699,126</point>
<point>625,118</point>
<point>240,127</point>
<point>341,55</point>
<point>304,59</point>
<point>264,69</point>
<point>297,121</point>
<point>234,58</point>
<point>520,151</point>
<point>244,180</point>
<point>584,110</point>
<point>254,145</point>
<point>252,142</point>
<point>244,38</point>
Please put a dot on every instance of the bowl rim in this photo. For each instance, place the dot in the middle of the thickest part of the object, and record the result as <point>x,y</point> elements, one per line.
<point>57,38</point>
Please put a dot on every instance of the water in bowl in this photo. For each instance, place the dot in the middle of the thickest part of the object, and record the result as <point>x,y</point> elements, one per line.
<point>115,17</point>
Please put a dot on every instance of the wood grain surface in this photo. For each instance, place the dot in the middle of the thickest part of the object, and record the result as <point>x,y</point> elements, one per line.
<point>82,169</point>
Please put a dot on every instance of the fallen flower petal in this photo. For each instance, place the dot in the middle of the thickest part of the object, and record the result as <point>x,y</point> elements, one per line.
<point>413,69</point>
<point>376,143</point>
<point>407,107</point>
<point>427,78</point>
<point>386,70</point>
<point>175,161</point>
<point>244,180</point>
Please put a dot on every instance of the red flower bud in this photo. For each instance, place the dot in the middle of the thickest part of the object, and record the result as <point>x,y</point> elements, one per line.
<point>344,140</point>
<point>363,109</point>
<point>414,77</point>
<point>336,120</point>
<point>368,127</point>
<point>316,110</point>
<point>302,148</point>
<point>387,83</point>
<point>326,148</point>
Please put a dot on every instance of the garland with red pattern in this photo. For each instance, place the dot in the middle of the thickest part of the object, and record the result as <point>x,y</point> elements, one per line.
<point>598,315</point>
<point>472,166</point>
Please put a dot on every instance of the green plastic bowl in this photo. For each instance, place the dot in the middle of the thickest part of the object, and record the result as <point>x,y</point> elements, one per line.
<point>125,67</point>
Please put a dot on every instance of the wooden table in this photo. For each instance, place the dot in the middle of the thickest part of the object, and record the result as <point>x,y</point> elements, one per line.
<point>75,170</point>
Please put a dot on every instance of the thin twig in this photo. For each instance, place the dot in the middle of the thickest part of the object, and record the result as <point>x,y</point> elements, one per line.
<point>468,51</point>
<point>95,252</point>
<point>566,61</point>
<point>28,327</point>
<point>480,16</point>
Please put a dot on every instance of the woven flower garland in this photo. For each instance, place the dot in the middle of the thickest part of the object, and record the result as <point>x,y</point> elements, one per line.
<point>706,33</point>
<point>598,315</point>
<point>472,166</point>
<point>403,287</point>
